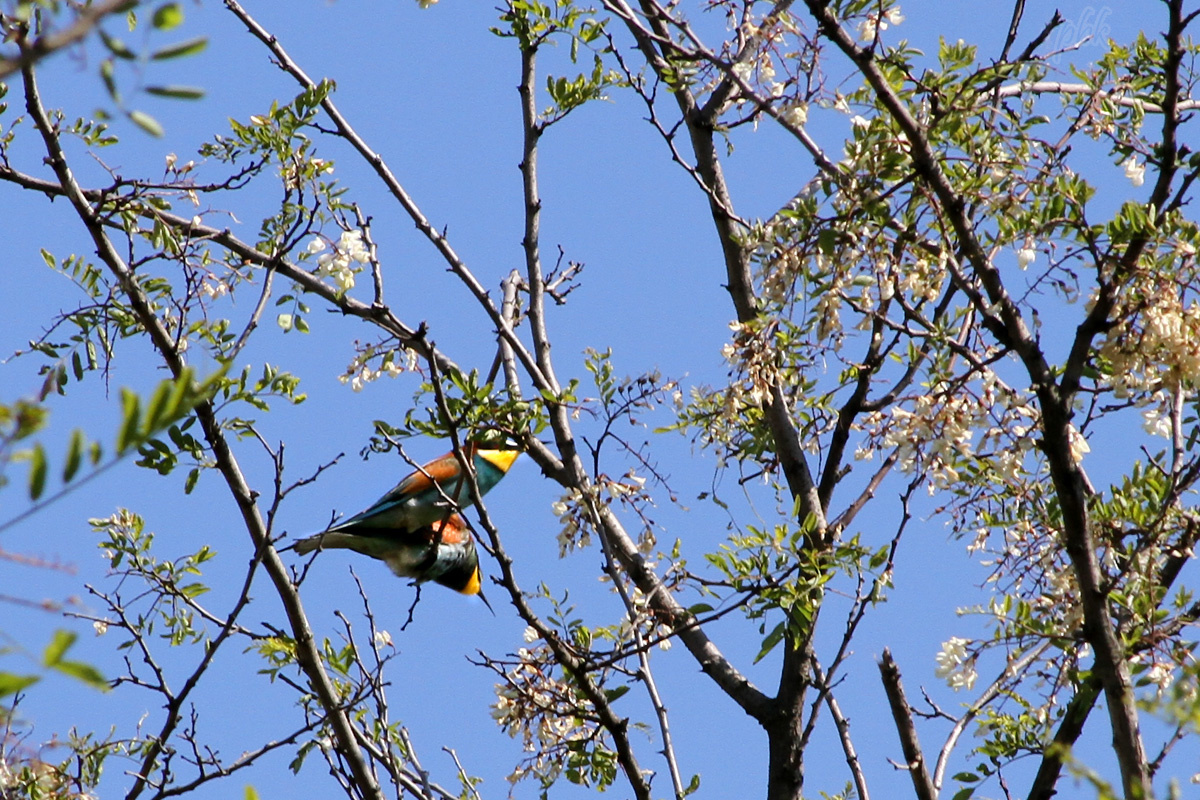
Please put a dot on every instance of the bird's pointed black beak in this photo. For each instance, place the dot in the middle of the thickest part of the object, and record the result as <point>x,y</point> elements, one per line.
<point>481,596</point>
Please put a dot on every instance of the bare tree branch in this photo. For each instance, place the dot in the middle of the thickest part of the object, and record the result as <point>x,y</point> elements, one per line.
<point>914,760</point>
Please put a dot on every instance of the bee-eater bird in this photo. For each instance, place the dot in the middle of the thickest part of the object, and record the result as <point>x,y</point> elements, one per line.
<point>414,528</point>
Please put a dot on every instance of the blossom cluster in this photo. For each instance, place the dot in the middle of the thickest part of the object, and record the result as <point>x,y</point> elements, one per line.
<point>937,432</point>
<point>956,665</point>
<point>1156,340</point>
<point>759,67</point>
<point>643,618</point>
<point>359,371</point>
<point>341,264</point>
<point>874,23</point>
<point>924,278</point>
<point>575,531</point>
<point>547,713</point>
<point>751,352</point>
<point>572,512</point>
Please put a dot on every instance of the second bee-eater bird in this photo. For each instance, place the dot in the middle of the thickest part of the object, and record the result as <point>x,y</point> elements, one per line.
<point>421,498</point>
<point>443,552</point>
<point>414,528</point>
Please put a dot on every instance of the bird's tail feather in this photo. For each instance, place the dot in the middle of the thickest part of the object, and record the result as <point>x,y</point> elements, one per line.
<point>306,546</point>
<point>373,546</point>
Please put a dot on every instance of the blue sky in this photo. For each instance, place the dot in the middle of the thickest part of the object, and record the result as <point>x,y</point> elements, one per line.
<point>434,91</point>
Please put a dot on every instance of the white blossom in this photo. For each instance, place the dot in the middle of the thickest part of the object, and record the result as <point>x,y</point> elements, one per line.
<point>664,631</point>
<point>872,24</point>
<point>955,666</point>
<point>1162,675</point>
<point>796,114</point>
<point>1135,172</point>
<point>214,289</point>
<point>1079,445</point>
<point>342,263</point>
<point>1156,423</point>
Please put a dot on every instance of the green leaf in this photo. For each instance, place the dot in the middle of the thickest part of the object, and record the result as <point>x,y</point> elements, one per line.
<point>167,16</point>
<point>110,82</point>
<point>186,48</point>
<point>827,240</point>
<point>182,391</point>
<point>194,590</point>
<point>127,436</point>
<point>613,694</point>
<point>773,638</point>
<point>74,455</point>
<point>146,122</point>
<point>250,793</point>
<point>177,92</point>
<point>62,641</point>
<point>156,409</point>
<point>37,472</point>
<point>116,46</point>
<point>85,673</point>
<point>11,684</point>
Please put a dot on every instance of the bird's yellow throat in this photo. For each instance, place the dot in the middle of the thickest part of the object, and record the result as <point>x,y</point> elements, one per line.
<point>500,459</point>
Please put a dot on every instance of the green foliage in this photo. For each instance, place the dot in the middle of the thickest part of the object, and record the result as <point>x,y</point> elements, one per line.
<point>535,24</point>
<point>271,382</point>
<point>532,23</point>
<point>166,611</point>
<point>278,133</point>
<point>476,411</point>
<point>279,652</point>
<point>281,136</point>
<point>167,17</point>
<point>777,573</point>
<point>11,683</point>
<point>54,660</point>
<point>567,94</point>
